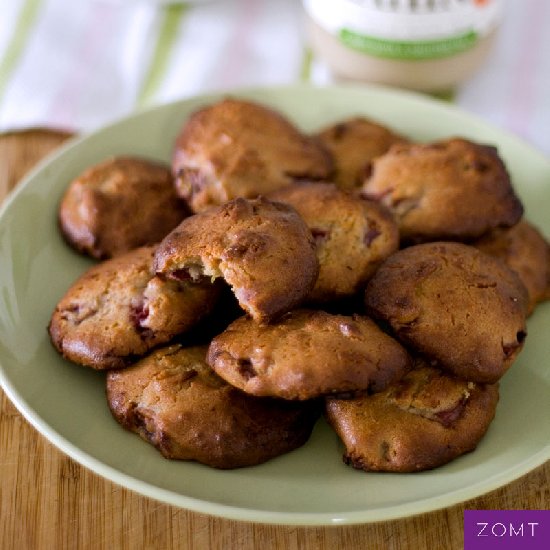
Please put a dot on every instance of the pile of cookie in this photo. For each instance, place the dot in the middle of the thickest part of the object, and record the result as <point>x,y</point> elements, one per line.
<point>269,277</point>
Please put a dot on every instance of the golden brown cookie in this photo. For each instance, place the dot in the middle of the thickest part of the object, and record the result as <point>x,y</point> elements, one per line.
<point>524,250</point>
<point>354,144</point>
<point>118,310</point>
<point>353,236</point>
<point>237,148</point>
<point>118,205</point>
<point>262,249</point>
<point>174,400</point>
<point>462,309</point>
<point>307,354</point>
<point>424,420</point>
<point>447,190</point>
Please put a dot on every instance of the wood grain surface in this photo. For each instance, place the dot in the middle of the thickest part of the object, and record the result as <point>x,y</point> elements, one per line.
<point>49,501</point>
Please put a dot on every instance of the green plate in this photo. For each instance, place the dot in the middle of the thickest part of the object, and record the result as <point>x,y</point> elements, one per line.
<point>310,486</point>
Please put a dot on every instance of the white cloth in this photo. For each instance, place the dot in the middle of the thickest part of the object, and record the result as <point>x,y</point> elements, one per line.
<point>76,65</point>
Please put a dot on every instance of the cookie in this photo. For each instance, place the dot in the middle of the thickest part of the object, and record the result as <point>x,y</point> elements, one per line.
<point>174,400</point>
<point>118,310</point>
<point>524,250</point>
<point>460,308</point>
<point>263,249</point>
<point>307,354</point>
<point>237,148</point>
<point>354,143</point>
<point>448,190</point>
<point>423,421</point>
<point>353,236</point>
<point>118,205</point>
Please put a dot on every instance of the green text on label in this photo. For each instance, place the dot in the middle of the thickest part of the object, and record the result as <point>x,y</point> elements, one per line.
<point>408,50</point>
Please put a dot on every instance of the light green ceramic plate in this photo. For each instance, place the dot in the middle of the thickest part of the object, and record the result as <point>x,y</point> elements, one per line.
<point>311,485</point>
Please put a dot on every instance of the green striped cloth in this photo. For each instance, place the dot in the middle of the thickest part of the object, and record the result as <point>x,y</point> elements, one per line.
<point>79,65</point>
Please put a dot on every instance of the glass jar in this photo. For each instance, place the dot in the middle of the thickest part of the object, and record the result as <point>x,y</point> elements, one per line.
<point>425,45</point>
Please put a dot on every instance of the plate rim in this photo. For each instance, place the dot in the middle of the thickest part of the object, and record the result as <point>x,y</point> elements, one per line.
<point>240,513</point>
<point>389,513</point>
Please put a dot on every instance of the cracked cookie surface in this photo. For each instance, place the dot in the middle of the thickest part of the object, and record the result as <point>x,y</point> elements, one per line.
<point>523,249</point>
<point>118,205</point>
<point>307,353</point>
<point>262,249</point>
<point>354,143</point>
<point>448,190</point>
<point>462,309</point>
<point>352,236</point>
<point>176,402</point>
<point>237,148</point>
<point>423,421</point>
<point>118,310</point>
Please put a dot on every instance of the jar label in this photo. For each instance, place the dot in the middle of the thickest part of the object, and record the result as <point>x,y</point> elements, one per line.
<point>407,29</point>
